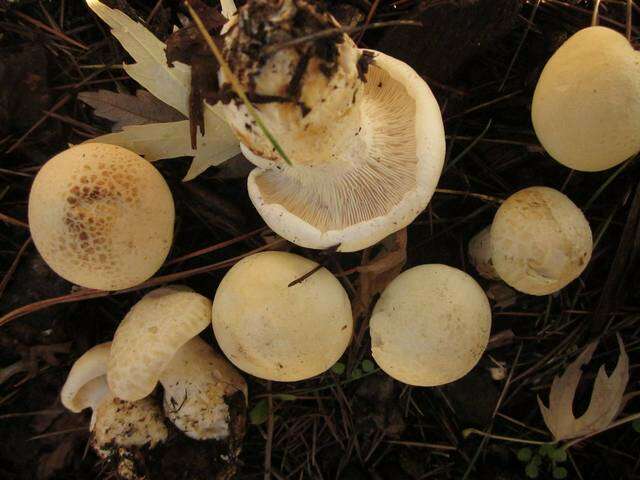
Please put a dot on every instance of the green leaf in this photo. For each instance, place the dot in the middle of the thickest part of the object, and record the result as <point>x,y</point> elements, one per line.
<point>525,454</point>
<point>259,413</point>
<point>636,425</point>
<point>338,368</point>
<point>531,470</point>
<point>559,473</point>
<point>368,366</point>
<point>356,373</point>
<point>558,455</point>
<point>285,397</point>
<point>536,460</point>
<point>546,450</point>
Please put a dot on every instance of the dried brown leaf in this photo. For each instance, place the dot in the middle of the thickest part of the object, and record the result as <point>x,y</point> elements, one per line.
<point>607,396</point>
<point>377,273</point>
<point>125,109</point>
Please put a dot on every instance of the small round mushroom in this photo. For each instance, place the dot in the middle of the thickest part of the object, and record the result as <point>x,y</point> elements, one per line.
<point>281,317</point>
<point>101,216</point>
<point>540,241</point>
<point>158,341</point>
<point>480,254</point>
<point>115,424</point>
<point>362,130</point>
<point>430,325</point>
<point>586,106</point>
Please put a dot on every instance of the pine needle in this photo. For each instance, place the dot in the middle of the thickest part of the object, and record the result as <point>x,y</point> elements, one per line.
<point>234,81</point>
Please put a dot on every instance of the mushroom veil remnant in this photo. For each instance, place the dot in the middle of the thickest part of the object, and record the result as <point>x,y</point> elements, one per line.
<point>281,317</point>
<point>430,326</point>
<point>362,130</point>
<point>101,216</point>
<point>538,243</point>
<point>158,342</point>
<point>586,106</point>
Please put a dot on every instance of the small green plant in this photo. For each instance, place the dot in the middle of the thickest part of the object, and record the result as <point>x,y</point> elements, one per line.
<point>546,458</point>
<point>366,367</point>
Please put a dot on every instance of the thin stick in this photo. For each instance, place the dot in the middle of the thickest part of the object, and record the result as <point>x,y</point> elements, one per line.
<point>234,81</point>
<point>14,266</point>
<point>630,418</point>
<point>629,23</point>
<point>13,221</point>
<point>473,431</point>
<point>269,443</point>
<point>594,17</point>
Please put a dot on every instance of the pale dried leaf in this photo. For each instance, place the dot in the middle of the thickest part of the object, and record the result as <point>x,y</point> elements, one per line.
<point>125,109</point>
<point>377,273</point>
<point>228,8</point>
<point>607,396</point>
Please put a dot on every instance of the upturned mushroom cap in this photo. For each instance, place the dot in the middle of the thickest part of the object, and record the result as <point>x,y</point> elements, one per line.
<point>540,241</point>
<point>101,216</point>
<point>121,424</point>
<point>366,155</point>
<point>86,383</point>
<point>586,106</point>
<point>196,383</point>
<point>430,326</point>
<point>276,331</point>
<point>150,335</point>
<point>480,254</point>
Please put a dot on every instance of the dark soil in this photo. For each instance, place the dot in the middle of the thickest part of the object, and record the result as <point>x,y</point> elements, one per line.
<point>482,59</point>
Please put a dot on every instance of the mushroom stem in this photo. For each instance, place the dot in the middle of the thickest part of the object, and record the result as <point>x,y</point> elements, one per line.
<point>196,382</point>
<point>480,254</point>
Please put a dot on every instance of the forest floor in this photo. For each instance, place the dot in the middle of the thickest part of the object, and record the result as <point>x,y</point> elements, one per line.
<point>482,59</point>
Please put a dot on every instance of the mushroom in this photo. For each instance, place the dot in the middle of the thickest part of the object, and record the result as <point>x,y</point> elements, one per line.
<point>362,130</point>
<point>157,341</point>
<point>116,425</point>
<point>480,254</point>
<point>281,317</point>
<point>539,242</point>
<point>586,106</point>
<point>101,216</point>
<point>430,325</point>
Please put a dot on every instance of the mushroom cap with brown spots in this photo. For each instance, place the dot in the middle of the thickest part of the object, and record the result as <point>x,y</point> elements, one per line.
<point>275,328</point>
<point>101,216</point>
<point>430,326</point>
<point>540,241</point>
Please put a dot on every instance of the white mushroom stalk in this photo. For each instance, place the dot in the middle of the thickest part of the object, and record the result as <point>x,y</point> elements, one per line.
<point>158,342</point>
<point>538,243</point>
<point>362,130</point>
<point>115,424</point>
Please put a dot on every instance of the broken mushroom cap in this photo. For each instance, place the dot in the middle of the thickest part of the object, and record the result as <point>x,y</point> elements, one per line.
<point>480,254</point>
<point>540,241</point>
<point>362,130</point>
<point>86,384</point>
<point>114,423</point>
<point>101,216</point>
<point>197,382</point>
<point>430,326</point>
<point>150,335</point>
<point>586,106</point>
<point>273,322</point>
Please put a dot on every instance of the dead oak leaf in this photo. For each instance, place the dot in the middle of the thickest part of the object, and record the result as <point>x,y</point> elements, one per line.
<point>607,396</point>
<point>125,109</point>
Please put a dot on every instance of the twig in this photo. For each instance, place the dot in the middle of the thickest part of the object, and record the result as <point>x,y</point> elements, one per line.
<point>269,444</point>
<point>367,22</point>
<point>594,17</point>
<point>479,196</point>
<point>629,19</point>
<point>14,265</point>
<point>630,418</point>
<point>47,28</point>
<point>13,221</point>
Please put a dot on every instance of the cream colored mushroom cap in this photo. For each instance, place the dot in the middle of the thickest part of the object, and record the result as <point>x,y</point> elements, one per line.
<point>377,183</point>
<point>540,241</point>
<point>430,326</point>
<point>150,335</point>
<point>586,106</point>
<point>101,216</point>
<point>85,384</point>
<point>195,383</point>
<point>276,331</point>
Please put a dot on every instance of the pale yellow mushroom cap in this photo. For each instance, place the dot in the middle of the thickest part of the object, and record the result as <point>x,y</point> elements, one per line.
<point>276,331</point>
<point>101,216</point>
<point>85,385</point>
<point>540,241</point>
<point>150,335</point>
<point>586,106</point>
<point>430,326</point>
<point>196,384</point>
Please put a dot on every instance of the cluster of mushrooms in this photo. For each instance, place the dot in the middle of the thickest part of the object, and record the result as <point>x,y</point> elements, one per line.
<point>365,139</point>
